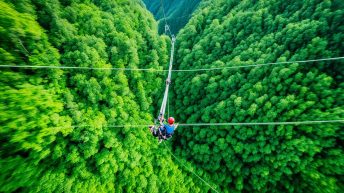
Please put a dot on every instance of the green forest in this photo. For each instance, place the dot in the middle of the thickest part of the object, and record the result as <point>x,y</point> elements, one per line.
<point>67,104</point>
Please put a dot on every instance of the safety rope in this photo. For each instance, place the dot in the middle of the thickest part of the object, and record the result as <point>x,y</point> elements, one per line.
<point>224,124</point>
<point>157,70</point>
<point>194,173</point>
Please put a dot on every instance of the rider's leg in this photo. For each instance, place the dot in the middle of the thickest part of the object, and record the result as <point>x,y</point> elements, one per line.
<point>162,132</point>
<point>154,131</point>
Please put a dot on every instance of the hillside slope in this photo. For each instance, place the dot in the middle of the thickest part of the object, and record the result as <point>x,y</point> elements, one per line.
<point>57,125</point>
<point>280,158</point>
<point>177,12</point>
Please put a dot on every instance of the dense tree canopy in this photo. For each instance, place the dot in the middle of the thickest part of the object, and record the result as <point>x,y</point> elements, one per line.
<point>58,129</point>
<point>284,158</point>
<point>55,134</point>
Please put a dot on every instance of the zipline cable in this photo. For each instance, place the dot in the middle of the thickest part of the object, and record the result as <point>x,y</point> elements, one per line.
<point>194,173</point>
<point>157,70</point>
<point>163,10</point>
<point>168,81</point>
<point>168,106</point>
<point>227,124</point>
<point>259,65</point>
<point>167,27</point>
<point>83,68</point>
<point>264,123</point>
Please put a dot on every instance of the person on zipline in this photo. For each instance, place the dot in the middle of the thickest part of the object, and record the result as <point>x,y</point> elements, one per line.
<point>165,131</point>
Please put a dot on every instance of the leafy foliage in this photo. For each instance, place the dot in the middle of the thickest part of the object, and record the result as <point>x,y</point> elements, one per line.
<point>284,158</point>
<point>55,134</point>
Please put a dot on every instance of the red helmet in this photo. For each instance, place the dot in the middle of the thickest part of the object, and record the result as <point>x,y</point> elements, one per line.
<point>170,120</point>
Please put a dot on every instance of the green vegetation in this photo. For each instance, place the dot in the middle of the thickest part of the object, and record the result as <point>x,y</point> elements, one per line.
<point>289,158</point>
<point>57,129</point>
<point>41,149</point>
<point>177,12</point>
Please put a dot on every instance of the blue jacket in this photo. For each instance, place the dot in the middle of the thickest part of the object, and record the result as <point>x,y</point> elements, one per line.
<point>169,128</point>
